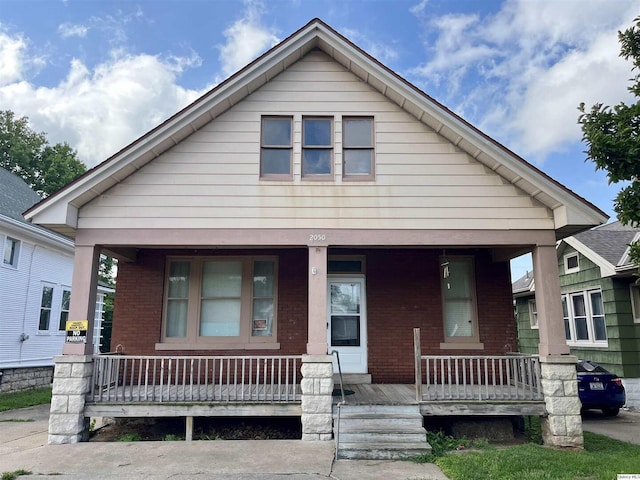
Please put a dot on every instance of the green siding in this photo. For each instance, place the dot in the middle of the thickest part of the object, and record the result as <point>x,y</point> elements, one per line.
<point>622,354</point>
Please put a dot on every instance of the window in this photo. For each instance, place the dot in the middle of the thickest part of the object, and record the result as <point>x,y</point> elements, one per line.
<point>45,308</point>
<point>357,148</point>
<point>533,314</point>
<point>459,300</point>
<point>635,302</point>
<point>64,309</point>
<point>317,146</point>
<point>584,319</point>
<point>276,147</point>
<point>227,301</point>
<point>11,252</point>
<point>571,263</point>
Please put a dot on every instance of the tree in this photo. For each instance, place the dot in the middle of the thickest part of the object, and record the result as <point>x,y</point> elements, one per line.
<point>612,135</point>
<point>28,154</point>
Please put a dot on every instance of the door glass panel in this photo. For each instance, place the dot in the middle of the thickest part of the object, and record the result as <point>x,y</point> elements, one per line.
<point>345,331</point>
<point>345,298</point>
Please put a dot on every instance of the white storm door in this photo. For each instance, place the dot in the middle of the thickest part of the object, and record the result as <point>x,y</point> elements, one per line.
<point>347,323</point>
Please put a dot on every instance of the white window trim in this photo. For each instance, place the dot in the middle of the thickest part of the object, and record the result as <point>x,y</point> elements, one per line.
<point>567,269</point>
<point>52,310</point>
<point>634,295</point>
<point>16,262</point>
<point>589,315</point>
<point>193,341</point>
<point>533,315</point>
<point>63,288</point>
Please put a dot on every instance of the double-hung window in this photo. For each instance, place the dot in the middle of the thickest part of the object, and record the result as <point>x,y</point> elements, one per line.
<point>584,318</point>
<point>220,302</point>
<point>276,148</point>
<point>46,303</point>
<point>64,309</point>
<point>317,147</point>
<point>357,148</point>
<point>533,314</point>
<point>634,292</point>
<point>11,252</point>
<point>459,302</point>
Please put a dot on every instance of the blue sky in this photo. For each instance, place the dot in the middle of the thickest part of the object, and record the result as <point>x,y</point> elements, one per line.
<point>98,74</point>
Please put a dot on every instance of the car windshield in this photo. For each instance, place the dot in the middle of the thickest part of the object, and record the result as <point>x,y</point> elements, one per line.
<point>590,367</point>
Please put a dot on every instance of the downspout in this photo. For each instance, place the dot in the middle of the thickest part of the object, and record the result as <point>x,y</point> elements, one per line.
<point>23,336</point>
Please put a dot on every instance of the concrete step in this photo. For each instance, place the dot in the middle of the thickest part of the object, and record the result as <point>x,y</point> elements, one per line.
<point>382,450</point>
<point>384,437</point>
<point>356,409</point>
<point>379,421</point>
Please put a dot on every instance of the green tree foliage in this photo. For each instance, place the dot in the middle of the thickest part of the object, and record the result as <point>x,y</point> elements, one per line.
<point>44,167</point>
<point>612,135</point>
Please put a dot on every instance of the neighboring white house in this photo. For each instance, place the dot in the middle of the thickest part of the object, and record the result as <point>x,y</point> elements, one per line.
<point>36,268</point>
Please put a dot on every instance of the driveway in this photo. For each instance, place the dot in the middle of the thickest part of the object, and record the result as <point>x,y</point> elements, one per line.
<point>625,427</point>
<point>23,445</point>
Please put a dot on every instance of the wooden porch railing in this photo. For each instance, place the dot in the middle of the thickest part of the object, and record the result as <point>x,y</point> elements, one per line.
<point>131,378</point>
<point>505,378</point>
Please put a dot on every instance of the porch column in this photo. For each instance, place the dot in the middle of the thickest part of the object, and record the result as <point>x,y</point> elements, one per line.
<point>317,400</point>
<point>317,321</point>
<point>71,382</point>
<point>562,427</point>
<point>548,302</point>
<point>83,295</point>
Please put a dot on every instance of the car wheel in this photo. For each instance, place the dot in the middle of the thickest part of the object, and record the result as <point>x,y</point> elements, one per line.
<point>610,412</point>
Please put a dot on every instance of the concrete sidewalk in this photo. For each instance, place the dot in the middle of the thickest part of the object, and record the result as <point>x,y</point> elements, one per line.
<point>625,427</point>
<point>23,445</point>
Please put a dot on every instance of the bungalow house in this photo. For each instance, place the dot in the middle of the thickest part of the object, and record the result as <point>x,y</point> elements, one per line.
<point>600,302</point>
<point>35,289</point>
<point>315,202</point>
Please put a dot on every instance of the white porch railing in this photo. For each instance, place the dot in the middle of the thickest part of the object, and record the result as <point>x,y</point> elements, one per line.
<point>504,378</point>
<point>131,378</point>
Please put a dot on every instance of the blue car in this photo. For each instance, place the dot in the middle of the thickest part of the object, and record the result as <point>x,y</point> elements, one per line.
<point>599,389</point>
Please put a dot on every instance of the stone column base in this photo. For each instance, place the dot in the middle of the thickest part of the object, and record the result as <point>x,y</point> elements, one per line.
<point>562,427</point>
<point>317,400</point>
<point>71,382</point>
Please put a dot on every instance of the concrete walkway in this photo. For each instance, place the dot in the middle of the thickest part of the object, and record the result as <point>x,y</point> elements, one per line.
<point>625,427</point>
<point>23,445</point>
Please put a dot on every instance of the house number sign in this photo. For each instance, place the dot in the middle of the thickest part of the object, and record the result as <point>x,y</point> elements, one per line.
<point>317,237</point>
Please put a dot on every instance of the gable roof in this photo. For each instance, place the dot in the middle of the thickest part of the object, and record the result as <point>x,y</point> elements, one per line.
<point>607,246</point>
<point>523,286</point>
<point>572,213</point>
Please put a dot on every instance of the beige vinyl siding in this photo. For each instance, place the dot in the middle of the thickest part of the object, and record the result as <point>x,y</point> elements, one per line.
<point>211,179</point>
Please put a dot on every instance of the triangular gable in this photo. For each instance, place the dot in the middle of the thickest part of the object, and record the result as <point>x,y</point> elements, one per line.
<point>571,212</point>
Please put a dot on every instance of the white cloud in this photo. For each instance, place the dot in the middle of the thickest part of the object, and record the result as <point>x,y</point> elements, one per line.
<point>246,38</point>
<point>100,110</point>
<point>520,74</point>
<point>12,50</point>
<point>67,30</point>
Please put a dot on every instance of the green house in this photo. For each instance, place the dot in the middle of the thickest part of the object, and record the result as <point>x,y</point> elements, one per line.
<point>600,302</point>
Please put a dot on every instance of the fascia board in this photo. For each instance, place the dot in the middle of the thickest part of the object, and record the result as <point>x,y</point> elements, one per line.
<point>606,268</point>
<point>37,234</point>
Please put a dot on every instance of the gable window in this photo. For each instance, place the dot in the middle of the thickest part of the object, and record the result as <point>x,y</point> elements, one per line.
<point>317,147</point>
<point>571,263</point>
<point>11,252</point>
<point>357,148</point>
<point>276,147</point>
<point>533,314</point>
<point>459,303</point>
<point>46,303</point>
<point>635,302</point>
<point>584,318</point>
<point>225,302</point>
<point>64,309</point>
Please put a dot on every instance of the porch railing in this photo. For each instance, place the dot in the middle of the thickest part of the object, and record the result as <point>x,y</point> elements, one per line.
<point>506,378</point>
<point>131,378</point>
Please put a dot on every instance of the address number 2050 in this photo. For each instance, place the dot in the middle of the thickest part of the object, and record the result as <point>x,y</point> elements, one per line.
<point>317,237</point>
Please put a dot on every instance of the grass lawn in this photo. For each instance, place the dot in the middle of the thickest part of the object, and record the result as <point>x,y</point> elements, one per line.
<point>601,459</point>
<point>26,398</point>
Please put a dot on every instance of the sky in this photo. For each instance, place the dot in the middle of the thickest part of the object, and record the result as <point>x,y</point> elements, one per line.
<point>97,74</point>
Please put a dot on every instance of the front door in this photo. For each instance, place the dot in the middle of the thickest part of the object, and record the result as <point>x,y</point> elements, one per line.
<point>347,323</point>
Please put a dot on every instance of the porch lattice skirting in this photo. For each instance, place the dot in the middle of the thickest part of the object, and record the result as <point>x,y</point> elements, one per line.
<point>562,427</point>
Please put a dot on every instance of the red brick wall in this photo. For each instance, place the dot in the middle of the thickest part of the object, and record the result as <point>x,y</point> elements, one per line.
<point>403,292</point>
<point>137,313</point>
